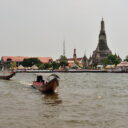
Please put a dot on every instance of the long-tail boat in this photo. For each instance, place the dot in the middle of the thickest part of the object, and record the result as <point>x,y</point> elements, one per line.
<point>6,75</point>
<point>49,86</point>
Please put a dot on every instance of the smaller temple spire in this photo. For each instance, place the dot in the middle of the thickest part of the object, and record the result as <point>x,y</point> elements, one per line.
<point>74,54</point>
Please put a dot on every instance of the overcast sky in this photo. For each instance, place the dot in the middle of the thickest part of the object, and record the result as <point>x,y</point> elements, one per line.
<point>38,27</point>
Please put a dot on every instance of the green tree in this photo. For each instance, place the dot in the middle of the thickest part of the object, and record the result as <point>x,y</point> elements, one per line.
<point>47,66</point>
<point>40,65</point>
<point>63,61</point>
<point>55,65</point>
<point>30,61</point>
<point>111,59</point>
<point>13,65</point>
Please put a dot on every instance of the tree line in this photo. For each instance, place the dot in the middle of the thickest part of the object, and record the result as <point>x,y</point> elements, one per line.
<point>62,62</point>
<point>29,62</point>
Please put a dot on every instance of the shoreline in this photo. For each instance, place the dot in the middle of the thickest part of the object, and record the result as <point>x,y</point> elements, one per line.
<point>70,71</point>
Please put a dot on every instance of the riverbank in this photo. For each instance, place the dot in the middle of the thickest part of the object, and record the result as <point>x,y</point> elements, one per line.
<point>70,71</point>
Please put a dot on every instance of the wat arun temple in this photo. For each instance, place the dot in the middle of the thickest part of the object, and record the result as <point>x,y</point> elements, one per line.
<point>102,50</point>
<point>98,56</point>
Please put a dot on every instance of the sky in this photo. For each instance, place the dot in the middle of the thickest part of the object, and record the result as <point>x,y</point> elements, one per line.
<point>39,27</point>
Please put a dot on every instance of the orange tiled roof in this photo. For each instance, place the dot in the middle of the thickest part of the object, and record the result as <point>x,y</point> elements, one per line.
<point>21,58</point>
<point>13,58</point>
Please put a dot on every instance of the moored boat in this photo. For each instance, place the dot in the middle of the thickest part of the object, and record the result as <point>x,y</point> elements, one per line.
<point>49,86</point>
<point>6,75</point>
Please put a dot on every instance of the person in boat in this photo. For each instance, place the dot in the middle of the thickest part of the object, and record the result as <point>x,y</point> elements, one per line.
<point>40,79</point>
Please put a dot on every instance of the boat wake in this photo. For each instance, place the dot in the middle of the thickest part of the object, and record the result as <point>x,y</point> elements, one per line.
<point>25,83</point>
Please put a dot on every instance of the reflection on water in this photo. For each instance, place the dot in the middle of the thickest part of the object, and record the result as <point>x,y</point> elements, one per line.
<point>52,99</point>
<point>86,100</point>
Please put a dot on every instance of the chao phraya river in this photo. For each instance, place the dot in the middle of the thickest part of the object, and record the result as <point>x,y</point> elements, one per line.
<point>86,100</point>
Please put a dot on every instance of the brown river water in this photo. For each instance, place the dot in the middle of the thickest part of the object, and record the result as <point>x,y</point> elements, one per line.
<point>83,100</point>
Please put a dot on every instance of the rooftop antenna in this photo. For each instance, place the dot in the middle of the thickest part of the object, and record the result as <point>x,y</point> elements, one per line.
<point>64,48</point>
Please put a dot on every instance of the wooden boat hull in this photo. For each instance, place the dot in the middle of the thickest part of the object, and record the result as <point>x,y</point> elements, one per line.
<point>7,77</point>
<point>49,87</point>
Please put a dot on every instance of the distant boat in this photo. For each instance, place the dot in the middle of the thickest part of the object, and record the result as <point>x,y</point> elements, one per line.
<point>6,75</point>
<point>46,87</point>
